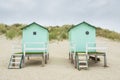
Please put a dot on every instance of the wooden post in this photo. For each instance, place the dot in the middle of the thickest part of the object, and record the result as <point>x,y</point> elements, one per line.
<point>13,60</point>
<point>95,58</point>
<point>69,56</point>
<point>45,58</point>
<point>105,60</point>
<point>43,62</point>
<point>72,58</point>
<point>28,58</point>
<point>76,60</point>
<point>24,55</point>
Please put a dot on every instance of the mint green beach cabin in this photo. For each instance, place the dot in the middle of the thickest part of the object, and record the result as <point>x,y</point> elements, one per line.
<point>82,38</point>
<point>35,39</point>
<point>81,34</point>
<point>35,33</point>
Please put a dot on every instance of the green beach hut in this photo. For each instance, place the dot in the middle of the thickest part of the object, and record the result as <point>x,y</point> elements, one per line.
<point>34,33</point>
<point>81,34</point>
<point>82,38</point>
<point>35,39</point>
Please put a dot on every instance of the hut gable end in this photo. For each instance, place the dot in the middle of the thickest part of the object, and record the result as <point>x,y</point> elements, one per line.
<point>34,23</point>
<point>35,33</point>
<point>81,34</point>
<point>85,23</point>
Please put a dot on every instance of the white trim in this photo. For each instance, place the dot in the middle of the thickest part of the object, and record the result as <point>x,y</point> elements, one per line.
<point>35,48</point>
<point>97,48</point>
<point>72,49</point>
<point>44,48</point>
<point>16,47</point>
<point>103,48</point>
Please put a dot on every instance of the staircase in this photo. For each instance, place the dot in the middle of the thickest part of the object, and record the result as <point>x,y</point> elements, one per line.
<point>15,61</point>
<point>81,61</point>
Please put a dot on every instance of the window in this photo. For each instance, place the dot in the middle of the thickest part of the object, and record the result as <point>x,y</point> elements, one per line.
<point>87,32</point>
<point>34,33</point>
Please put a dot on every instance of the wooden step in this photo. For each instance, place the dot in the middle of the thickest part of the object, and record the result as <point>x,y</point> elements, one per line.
<point>81,54</point>
<point>15,62</point>
<point>13,67</point>
<point>83,66</point>
<point>82,61</point>
<point>17,55</point>
<point>16,58</point>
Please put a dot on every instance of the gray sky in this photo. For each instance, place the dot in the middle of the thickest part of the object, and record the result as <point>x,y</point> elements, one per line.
<point>100,13</point>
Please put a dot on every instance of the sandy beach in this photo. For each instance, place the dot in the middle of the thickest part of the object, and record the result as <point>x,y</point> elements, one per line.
<point>59,66</point>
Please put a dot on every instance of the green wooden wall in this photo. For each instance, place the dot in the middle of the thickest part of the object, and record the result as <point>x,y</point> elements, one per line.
<point>78,36</point>
<point>35,33</point>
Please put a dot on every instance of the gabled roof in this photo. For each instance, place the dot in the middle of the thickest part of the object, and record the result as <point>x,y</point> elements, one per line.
<point>36,24</point>
<point>80,24</point>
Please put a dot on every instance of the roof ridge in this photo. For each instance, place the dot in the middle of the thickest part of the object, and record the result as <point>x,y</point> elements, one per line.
<point>80,24</point>
<point>36,24</point>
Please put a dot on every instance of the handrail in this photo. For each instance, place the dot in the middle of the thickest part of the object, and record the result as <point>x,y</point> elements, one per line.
<point>44,48</point>
<point>95,47</point>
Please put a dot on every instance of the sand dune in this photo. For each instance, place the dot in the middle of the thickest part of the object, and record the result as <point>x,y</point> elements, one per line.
<point>59,67</point>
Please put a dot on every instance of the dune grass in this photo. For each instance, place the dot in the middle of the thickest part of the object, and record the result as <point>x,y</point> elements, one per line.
<point>55,32</point>
<point>108,34</point>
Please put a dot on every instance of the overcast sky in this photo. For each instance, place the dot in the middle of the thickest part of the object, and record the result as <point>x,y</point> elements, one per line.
<point>100,13</point>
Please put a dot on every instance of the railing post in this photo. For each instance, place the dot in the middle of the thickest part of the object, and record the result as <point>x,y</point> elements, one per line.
<point>24,46</point>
